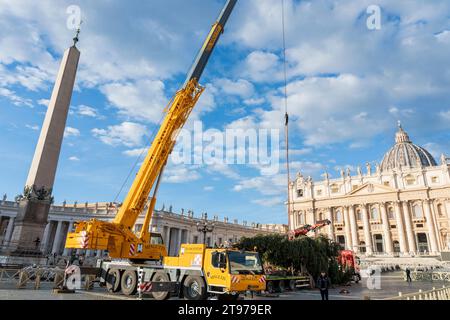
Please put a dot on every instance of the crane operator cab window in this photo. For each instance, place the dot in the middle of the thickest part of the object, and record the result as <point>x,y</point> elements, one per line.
<point>219,260</point>
<point>245,263</point>
<point>156,238</point>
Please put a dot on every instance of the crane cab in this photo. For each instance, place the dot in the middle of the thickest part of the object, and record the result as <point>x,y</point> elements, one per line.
<point>224,272</point>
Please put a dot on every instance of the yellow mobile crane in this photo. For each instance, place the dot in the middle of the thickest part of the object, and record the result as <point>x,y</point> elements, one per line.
<point>117,236</point>
<point>198,270</point>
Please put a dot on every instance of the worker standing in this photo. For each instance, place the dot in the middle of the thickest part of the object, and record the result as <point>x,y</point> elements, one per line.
<point>323,283</point>
<point>408,275</point>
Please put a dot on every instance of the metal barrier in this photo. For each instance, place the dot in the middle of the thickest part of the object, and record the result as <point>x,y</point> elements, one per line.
<point>8,274</point>
<point>434,294</point>
<point>38,275</point>
<point>430,275</point>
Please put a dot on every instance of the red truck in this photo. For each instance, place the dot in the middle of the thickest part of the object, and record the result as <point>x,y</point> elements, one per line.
<point>349,261</point>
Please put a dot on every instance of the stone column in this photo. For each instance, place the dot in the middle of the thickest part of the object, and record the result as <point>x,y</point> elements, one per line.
<point>296,219</point>
<point>389,249</point>
<point>400,228</point>
<point>331,226</point>
<point>70,225</point>
<point>291,221</point>
<point>348,233</point>
<point>167,238</point>
<point>178,243</point>
<point>58,237</point>
<point>9,230</point>
<point>435,215</point>
<point>354,229</point>
<point>431,228</point>
<point>45,237</point>
<point>409,229</point>
<point>367,234</point>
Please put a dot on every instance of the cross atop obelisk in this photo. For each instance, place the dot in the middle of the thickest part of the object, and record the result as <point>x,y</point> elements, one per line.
<point>35,203</point>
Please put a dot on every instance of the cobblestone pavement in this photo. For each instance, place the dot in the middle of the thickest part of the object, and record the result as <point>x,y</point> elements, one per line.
<point>391,284</point>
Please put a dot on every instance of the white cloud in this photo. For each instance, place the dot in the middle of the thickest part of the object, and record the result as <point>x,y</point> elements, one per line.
<point>241,88</point>
<point>71,132</point>
<point>208,188</point>
<point>300,152</point>
<point>87,111</point>
<point>444,36</point>
<point>307,168</point>
<point>128,134</point>
<point>262,66</point>
<point>33,127</point>
<point>133,153</point>
<point>445,115</point>
<point>254,101</point>
<point>14,98</point>
<point>180,174</point>
<point>74,159</point>
<point>44,102</point>
<point>266,185</point>
<point>141,100</point>
<point>270,202</point>
<point>223,169</point>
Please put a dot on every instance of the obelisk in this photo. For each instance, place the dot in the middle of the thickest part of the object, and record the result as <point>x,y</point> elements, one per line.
<point>34,204</point>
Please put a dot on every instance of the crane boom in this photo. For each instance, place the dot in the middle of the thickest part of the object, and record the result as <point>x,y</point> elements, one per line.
<point>205,53</point>
<point>117,237</point>
<point>178,111</point>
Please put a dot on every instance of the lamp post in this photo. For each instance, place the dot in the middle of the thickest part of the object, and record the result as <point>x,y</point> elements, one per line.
<point>205,227</point>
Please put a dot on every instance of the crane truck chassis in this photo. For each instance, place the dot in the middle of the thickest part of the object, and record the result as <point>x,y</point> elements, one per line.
<point>197,273</point>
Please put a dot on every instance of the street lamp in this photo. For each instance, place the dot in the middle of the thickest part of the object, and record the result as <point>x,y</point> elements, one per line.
<point>205,227</point>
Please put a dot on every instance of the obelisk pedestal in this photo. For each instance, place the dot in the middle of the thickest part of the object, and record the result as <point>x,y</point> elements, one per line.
<point>35,203</point>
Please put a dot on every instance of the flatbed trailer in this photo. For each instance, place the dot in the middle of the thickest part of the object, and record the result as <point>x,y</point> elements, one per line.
<point>280,283</point>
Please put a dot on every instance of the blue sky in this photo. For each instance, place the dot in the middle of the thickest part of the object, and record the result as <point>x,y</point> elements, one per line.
<point>348,86</point>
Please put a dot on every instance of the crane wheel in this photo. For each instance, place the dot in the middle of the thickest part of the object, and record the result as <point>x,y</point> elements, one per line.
<point>161,276</point>
<point>129,283</point>
<point>113,280</point>
<point>194,288</point>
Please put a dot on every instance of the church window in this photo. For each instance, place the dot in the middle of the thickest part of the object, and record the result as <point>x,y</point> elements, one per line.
<point>334,188</point>
<point>391,214</point>
<point>440,210</point>
<point>417,211</point>
<point>434,179</point>
<point>410,180</point>
<point>302,218</point>
<point>300,193</point>
<point>374,214</point>
<point>339,216</point>
<point>359,215</point>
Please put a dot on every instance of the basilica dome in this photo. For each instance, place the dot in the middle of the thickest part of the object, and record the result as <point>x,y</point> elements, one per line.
<point>406,154</point>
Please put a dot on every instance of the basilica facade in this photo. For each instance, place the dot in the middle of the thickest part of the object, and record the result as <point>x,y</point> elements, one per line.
<point>400,207</point>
